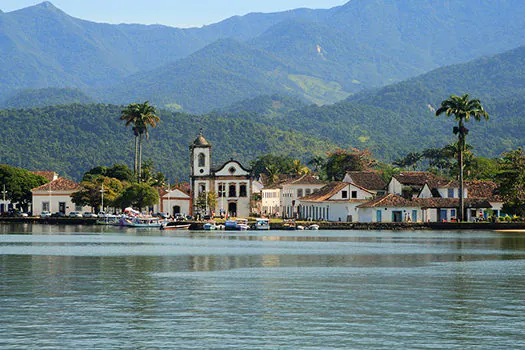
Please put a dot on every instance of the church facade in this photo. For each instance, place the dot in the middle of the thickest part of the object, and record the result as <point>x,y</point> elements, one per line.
<point>230,183</point>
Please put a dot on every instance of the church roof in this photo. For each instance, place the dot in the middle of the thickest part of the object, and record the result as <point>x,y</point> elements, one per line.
<point>200,141</point>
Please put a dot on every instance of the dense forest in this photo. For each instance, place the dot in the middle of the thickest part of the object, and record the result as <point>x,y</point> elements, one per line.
<point>71,139</point>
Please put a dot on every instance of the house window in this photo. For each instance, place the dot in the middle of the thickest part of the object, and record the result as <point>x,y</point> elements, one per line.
<point>308,191</point>
<point>45,206</point>
<point>202,160</point>
<point>222,191</point>
<point>242,191</point>
<point>202,188</point>
<point>450,193</point>
<point>299,193</point>
<point>344,194</point>
<point>232,191</point>
<point>354,194</point>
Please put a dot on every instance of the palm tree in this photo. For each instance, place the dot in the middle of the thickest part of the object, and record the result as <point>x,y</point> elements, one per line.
<point>130,115</point>
<point>463,109</point>
<point>147,117</point>
<point>141,115</point>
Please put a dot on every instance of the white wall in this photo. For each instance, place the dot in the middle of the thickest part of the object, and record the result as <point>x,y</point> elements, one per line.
<point>54,199</point>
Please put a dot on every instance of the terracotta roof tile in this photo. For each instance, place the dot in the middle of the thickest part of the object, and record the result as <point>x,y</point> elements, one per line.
<point>48,175</point>
<point>60,184</point>
<point>483,189</point>
<point>325,192</point>
<point>395,201</point>
<point>367,179</point>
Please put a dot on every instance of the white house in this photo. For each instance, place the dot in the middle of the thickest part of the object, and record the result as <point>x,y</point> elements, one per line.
<point>231,182</point>
<point>55,196</point>
<point>390,208</point>
<point>173,202</point>
<point>486,190</point>
<point>337,201</point>
<point>369,180</point>
<point>283,197</point>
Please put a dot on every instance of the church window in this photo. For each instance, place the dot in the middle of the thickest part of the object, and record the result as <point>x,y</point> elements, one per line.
<point>232,170</point>
<point>202,160</point>
<point>222,190</point>
<point>232,191</point>
<point>242,191</point>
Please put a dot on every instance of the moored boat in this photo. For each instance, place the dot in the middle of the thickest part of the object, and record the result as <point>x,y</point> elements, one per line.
<point>174,225</point>
<point>313,227</point>
<point>142,222</point>
<point>236,224</point>
<point>262,224</point>
<point>210,226</point>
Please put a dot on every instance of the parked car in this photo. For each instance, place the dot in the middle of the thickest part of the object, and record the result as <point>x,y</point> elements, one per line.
<point>45,214</point>
<point>75,214</point>
<point>58,214</point>
<point>21,214</point>
<point>87,214</point>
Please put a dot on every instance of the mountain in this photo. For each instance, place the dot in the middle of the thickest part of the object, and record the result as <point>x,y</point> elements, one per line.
<point>71,139</point>
<point>29,98</point>
<point>319,55</point>
<point>400,118</point>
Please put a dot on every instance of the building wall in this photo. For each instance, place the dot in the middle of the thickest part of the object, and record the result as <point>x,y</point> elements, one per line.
<point>330,211</point>
<point>290,197</point>
<point>271,201</point>
<point>54,199</point>
<point>370,214</point>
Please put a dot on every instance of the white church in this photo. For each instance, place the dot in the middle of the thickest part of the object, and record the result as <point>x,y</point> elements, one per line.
<point>231,182</point>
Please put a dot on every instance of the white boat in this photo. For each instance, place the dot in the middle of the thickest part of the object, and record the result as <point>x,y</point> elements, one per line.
<point>210,226</point>
<point>262,224</point>
<point>313,227</point>
<point>174,225</point>
<point>143,222</point>
<point>237,224</point>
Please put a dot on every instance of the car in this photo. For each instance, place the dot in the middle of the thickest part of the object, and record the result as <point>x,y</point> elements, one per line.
<point>58,214</point>
<point>87,214</point>
<point>21,214</point>
<point>45,214</point>
<point>75,214</point>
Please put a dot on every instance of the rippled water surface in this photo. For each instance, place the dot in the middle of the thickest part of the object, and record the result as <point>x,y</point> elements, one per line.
<point>69,287</point>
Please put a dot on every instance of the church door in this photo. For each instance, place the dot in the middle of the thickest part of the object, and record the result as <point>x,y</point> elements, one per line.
<point>232,209</point>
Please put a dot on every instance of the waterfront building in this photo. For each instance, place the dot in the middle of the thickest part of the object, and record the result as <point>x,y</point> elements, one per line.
<point>282,198</point>
<point>231,182</point>
<point>174,202</point>
<point>337,201</point>
<point>55,196</point>
<point>370,180</point>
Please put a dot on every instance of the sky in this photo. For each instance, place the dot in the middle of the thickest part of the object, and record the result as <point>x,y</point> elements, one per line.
<point>176,13</point>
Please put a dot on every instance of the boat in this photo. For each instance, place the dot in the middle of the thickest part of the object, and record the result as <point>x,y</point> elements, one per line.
<point>290,225</point>
<point>262,224</point>
<point>113,221</point>
<point>210,226</point>
<point>174,225</point>
<point>236,224</point>
<point>142,222</point>
<point>313,227</point>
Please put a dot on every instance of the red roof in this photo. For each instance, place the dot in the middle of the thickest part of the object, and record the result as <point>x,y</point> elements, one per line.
<point>60,184</point>
<point>48,175</point>
<point>367,179</point>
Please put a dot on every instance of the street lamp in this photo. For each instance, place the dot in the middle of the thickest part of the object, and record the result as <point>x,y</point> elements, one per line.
<point>3,202</point>
<point>102,192</point>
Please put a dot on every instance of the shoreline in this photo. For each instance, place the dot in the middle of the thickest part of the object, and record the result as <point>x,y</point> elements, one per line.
<point>503,227</point>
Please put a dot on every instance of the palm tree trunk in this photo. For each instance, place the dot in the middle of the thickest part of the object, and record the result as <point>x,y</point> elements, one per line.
<point>135,160</point>
<point>461,145</point>
<point>139,177</point>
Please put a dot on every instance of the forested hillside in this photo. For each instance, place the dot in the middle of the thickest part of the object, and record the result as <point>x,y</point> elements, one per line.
<point>71,139</point>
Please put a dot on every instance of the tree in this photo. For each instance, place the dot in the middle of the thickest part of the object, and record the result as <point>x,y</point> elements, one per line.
<point>512,182</point>
<point>141,116</point>
<point>91,192</point>
<point>206,202</point>
<point>410,160</point>
<point>463,108</point>
<point>341,161</point>
<point>138,195</point>
<point>18,184</point>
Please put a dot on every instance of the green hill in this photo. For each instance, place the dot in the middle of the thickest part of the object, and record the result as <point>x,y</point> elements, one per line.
<point>71,139</point>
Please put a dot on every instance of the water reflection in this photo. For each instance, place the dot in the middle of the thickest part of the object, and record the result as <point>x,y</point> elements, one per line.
<point>78,287</point>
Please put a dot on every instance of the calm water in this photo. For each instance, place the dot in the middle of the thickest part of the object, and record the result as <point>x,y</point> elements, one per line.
<point>71,287</point>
